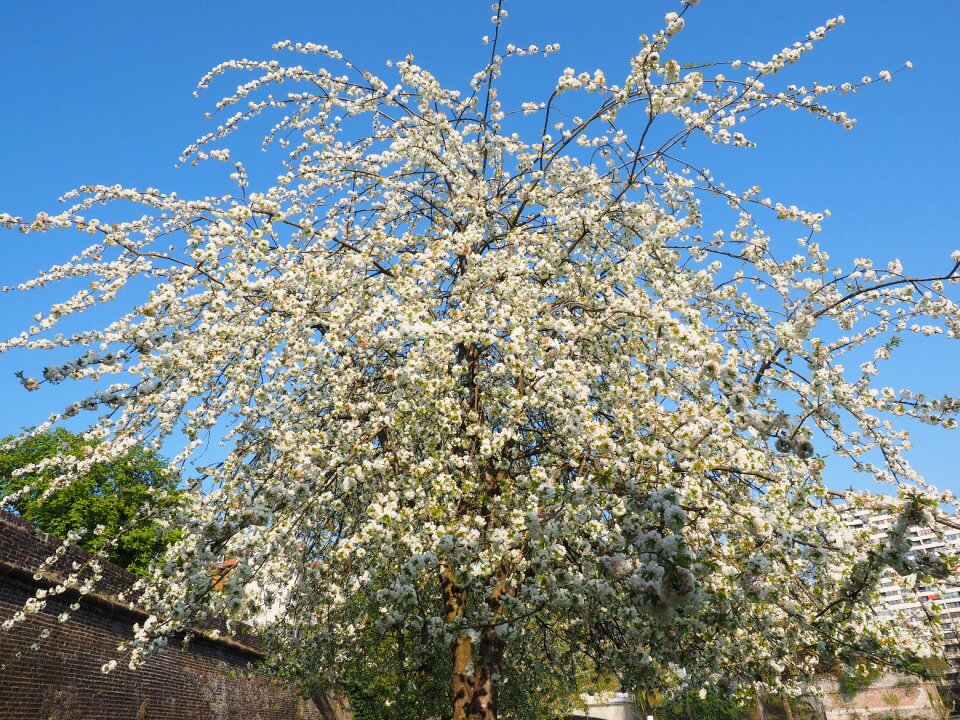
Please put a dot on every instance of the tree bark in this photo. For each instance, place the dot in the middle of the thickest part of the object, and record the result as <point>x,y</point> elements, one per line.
<point>486,685</point>
<point>787,710</point>
<point>462,679</point>
<point>461,689</point>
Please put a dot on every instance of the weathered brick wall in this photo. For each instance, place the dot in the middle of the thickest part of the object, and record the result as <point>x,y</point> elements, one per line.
<point>62,679</point>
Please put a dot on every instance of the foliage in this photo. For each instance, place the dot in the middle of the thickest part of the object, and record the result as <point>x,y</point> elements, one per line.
<point>714,706</point>
<point>110,495</point>
<point>929,668</point>
<point>497,381</point>
<point>382,686</point>
<point>709,706</point>
<point>383,683</point>
<point>850,684</point>
<point>862,676</point>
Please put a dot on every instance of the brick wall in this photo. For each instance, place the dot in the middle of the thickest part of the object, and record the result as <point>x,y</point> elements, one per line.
<point>62,678</point>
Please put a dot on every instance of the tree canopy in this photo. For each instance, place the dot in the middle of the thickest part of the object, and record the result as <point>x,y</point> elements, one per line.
<point>495,385</point>
<point>110,495</point>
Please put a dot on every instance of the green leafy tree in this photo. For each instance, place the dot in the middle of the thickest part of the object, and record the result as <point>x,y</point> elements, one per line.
<point>111,494</point>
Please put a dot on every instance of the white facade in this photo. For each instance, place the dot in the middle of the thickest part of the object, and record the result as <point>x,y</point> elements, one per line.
<point>607,706</point>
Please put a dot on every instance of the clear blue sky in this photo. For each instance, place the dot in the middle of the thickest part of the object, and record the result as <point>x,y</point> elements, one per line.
<point>101,92</point>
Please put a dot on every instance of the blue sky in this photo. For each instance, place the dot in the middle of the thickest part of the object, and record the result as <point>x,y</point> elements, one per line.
<point>102,93</point>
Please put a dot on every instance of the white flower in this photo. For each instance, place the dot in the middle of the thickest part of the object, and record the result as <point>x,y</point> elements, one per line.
<point>674,23</point>
<point>530,108</point>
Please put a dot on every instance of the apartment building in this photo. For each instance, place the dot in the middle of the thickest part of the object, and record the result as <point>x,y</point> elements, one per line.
<point>943,600</point>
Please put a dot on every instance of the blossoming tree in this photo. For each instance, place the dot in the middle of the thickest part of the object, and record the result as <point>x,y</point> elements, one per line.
<point>489,392</point>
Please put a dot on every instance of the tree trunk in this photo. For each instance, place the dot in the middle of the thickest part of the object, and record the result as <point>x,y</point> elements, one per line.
<point>483,705</point>
<point>787,710</point>
<point>454,599</point>
<point>462,679</point>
